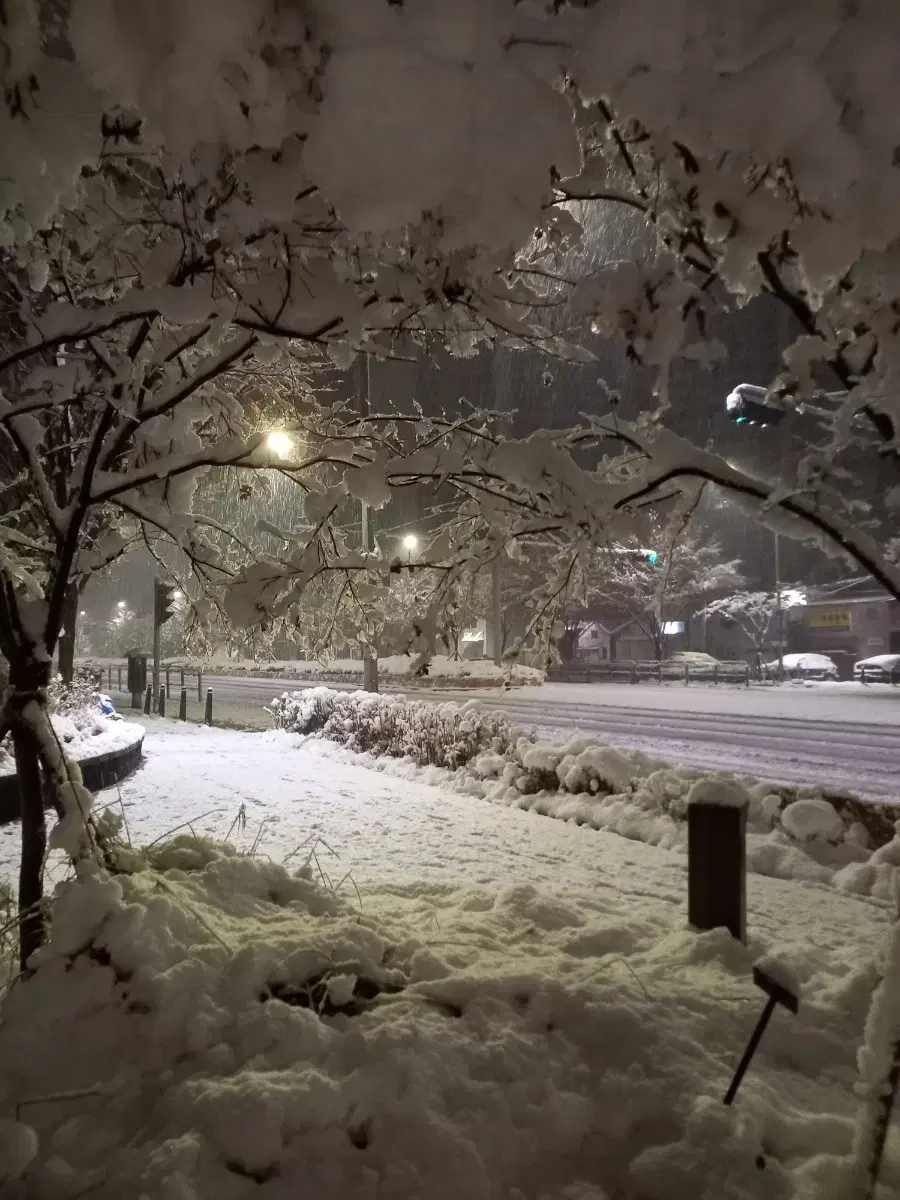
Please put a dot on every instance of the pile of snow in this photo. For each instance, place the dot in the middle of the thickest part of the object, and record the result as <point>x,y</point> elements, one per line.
<point>84,734</point>
<point>792,832</point>
<point>206,1024</point>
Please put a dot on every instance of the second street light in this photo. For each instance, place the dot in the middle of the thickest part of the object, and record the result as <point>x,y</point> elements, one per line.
<point>280,442</point>
<point>410,545</point>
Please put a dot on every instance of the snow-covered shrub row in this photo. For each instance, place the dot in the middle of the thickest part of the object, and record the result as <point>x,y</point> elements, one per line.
<point>204,1024</point>
<point>792,832</point>
<point>444,735</point>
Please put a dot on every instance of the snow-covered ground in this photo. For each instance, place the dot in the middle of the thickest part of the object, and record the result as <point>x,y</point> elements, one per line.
<point>560,1035</point>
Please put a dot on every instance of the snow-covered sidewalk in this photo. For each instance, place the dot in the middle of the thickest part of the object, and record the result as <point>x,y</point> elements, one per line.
<point>564,1037</point>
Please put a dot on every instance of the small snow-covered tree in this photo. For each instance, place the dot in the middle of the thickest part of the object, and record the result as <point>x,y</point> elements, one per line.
<point>754,613</point>
<point>688,567</point>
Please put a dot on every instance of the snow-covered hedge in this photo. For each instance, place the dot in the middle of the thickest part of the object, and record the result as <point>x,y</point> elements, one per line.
<point>432,735</point>
<point>83,731</point>
<point>792,832</point>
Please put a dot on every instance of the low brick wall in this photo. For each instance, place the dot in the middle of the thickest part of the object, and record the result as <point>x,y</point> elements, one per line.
<point>100,771</point>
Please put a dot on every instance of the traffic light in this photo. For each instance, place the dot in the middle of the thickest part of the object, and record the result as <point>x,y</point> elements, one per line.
<point>165,596</point>
<point>746,405</point>
<point>649,556</point>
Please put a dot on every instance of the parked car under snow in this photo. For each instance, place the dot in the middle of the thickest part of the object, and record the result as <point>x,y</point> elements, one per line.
<point>803,666</point>
<point>881,668</point>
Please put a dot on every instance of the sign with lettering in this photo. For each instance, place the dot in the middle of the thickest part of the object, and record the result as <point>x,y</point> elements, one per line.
<point>839,619</point>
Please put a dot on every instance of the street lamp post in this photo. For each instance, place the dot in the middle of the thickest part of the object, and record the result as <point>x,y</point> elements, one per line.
<point>779,611</point>
<point>370,654</point>
<point>411,545</point>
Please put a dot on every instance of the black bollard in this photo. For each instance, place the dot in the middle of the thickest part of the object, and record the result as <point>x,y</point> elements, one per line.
<point>209,706</point>
<point>148,699</point>
<point>182,705</point>
<point>162,701</point>
<point>717,869</point>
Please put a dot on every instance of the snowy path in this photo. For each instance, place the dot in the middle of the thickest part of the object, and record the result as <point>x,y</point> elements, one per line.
<point>384,829</point>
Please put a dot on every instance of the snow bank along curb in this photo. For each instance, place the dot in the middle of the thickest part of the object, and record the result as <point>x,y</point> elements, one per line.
<point>98,770</point>
<point>203,1023</point>
<point>441,671</point>
<point>793,832</point>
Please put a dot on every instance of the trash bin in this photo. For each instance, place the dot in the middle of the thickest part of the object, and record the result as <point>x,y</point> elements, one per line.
<point>137,676</point>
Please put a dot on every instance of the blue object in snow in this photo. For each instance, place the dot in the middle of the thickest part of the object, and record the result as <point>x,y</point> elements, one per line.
<point>106,706</point>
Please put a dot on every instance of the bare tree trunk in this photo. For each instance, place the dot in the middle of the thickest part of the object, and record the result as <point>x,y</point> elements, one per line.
<point>29,679</point>
<point>66,644</point>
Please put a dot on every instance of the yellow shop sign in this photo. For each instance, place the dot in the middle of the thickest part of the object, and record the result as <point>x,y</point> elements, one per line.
<point>830,620</point>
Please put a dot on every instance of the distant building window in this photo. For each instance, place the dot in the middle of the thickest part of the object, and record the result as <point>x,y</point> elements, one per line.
<point>670,628</point>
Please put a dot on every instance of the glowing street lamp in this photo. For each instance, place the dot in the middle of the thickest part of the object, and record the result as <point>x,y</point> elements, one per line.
<point>120,604</point>
<point>411,545</point>
<point>280,442</point>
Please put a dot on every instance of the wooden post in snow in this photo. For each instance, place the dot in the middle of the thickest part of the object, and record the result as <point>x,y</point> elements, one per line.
<point>717,866</point>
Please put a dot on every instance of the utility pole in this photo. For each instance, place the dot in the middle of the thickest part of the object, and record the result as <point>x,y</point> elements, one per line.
<point>370,654</point>
<point>779,611</point>
<point>496,613</point>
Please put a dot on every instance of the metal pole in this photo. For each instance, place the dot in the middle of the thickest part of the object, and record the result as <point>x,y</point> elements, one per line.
<point>370,654</point>
<point>779,616</point>
<point>156,629</point>
<point>496,611</point>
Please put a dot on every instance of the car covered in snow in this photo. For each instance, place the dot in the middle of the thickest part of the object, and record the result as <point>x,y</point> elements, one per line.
<point>803,666</point>
<point>697,663</point>
<point>881,668</point>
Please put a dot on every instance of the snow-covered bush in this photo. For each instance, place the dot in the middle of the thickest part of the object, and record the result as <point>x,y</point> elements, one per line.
<point>76,697</point>
<point>433,735</point>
